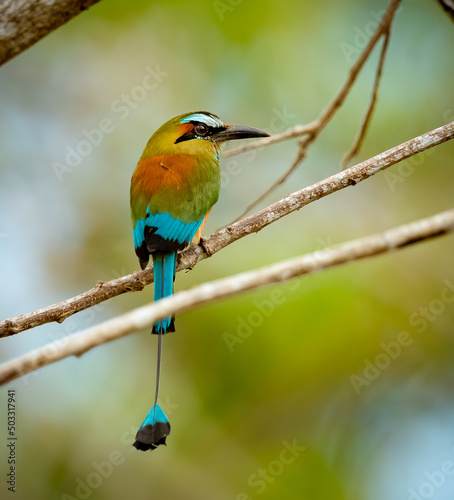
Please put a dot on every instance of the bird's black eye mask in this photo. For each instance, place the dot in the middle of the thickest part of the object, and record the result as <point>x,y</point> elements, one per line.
<point>200,131</point>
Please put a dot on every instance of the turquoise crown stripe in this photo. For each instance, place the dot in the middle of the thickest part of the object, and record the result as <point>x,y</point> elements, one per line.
<point>211,121</point>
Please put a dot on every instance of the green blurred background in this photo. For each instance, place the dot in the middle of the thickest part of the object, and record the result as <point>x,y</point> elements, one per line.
<point>298,409</point>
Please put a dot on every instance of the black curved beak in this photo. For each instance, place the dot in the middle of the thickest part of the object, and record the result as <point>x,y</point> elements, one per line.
<point>232,132</point>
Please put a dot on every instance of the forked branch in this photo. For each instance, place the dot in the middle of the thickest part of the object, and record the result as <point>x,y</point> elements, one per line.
<point>313,129</point>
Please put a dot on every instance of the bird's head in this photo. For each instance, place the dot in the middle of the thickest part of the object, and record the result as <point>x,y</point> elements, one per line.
<point>196,133</point>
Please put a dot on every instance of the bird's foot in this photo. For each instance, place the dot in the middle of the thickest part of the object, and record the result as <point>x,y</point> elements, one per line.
<point>203,242</point>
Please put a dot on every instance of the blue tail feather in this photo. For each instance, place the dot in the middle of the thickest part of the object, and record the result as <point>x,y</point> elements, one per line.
<point>164,266</point>
<point>153,431</point>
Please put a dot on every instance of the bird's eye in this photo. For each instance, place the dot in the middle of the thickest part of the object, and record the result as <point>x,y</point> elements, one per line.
<point>200,129</point>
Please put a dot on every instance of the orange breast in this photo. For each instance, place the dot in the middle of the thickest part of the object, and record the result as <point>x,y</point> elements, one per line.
<point>163,173</point>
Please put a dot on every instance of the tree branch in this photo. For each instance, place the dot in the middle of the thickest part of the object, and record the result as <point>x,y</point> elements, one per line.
<point>226,236</point>
<point>313,129</point>
<point>448,7</point>
<point>354,150</point>
<point>143,317</point>
<point>301,154</point>
<point>24,22</point>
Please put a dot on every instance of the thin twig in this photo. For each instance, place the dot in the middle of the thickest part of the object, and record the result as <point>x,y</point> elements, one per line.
<point>143,317</point>
<point>252,224</point>
<point>354,150</point>
<point>302,148</point>
<point>314,129</point>
<point>291,133</point>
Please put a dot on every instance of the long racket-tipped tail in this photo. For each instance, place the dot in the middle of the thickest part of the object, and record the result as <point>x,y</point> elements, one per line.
<point>156,426</point>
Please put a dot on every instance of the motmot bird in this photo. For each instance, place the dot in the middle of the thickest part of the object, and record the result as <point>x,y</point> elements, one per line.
<point>176,182</point>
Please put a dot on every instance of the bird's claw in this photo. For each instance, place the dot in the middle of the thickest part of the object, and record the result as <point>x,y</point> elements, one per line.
<point>203,242</point>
